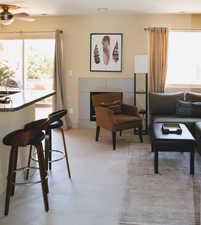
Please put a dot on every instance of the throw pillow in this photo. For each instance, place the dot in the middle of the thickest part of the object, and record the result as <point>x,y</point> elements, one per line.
<point>115,106</point>
<point>196,109</point>
<point>183,108</point>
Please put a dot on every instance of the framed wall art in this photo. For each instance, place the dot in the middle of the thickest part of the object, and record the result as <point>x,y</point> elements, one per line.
<point>106,52</point>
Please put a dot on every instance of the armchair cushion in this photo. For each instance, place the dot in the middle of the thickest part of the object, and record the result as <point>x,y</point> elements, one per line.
<point>124,121</point>
<point>124,118</point>
<point>115,106</point>
<point>130,110</point>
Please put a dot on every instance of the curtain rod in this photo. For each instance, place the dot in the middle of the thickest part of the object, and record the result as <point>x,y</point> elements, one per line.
<point>21,32</point>
<point>177,29</point>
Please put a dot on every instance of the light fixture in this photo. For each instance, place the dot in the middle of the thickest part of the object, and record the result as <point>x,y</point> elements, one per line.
<point>6,17</point>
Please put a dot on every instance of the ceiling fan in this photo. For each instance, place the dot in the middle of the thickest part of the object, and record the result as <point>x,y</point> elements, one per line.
<point>6,17</point>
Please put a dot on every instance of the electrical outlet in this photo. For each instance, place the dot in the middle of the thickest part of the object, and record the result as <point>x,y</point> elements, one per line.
<point>70,110</point>
<point>70,73</point>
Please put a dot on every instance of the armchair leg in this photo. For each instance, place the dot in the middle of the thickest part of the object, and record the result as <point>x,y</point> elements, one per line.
<point>120,133</point>
<point>97,132</point>
<point>114,139</point>
<point>140,134</point>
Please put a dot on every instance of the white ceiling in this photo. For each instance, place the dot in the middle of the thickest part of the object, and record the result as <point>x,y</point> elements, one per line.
<point>74,7</point>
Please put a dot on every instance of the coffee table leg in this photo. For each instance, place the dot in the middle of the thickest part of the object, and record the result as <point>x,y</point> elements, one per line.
<point>152,147</point>
<point>192,161</point>
<point>155,160</point>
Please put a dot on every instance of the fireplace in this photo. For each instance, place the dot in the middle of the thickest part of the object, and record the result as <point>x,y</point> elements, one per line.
<point>100,85</point>
<point>92,110</point>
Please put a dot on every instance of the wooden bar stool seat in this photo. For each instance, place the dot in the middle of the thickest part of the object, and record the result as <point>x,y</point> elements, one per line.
<point>22,138</point>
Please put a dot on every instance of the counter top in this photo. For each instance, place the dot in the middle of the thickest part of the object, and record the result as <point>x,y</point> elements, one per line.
<point>23,99</point>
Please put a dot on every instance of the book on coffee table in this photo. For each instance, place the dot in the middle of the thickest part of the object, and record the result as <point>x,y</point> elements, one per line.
<point>171,128</point>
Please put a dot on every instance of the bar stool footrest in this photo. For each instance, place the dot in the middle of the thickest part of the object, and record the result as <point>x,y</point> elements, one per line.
<point>58,159</point>
<point>54,160</point>
<point>28,182</point>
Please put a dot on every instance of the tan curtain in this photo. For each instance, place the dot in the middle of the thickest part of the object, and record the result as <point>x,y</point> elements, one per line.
<point>158,44</point>
<point>59,84</point>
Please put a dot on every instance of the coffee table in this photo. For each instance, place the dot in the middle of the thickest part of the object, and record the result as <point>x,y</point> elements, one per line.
<point>183,142</point>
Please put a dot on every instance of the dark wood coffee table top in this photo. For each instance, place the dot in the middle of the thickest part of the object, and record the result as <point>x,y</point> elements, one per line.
<point>185,136</point>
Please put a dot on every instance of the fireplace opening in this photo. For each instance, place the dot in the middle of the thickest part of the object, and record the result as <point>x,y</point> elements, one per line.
<point>92,110</point>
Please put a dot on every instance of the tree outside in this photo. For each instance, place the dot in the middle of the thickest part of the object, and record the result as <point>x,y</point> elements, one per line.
<point>39,66</point>
<point>39,58</point>
<point>5,75</point>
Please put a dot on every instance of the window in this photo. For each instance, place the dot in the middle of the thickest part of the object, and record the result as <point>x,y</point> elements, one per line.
<point>28,63</point>
<point>184,59</point>
<point>38,64</point>
<point>11,62</point>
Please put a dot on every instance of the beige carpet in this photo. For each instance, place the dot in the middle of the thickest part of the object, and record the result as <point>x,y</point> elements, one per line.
<point>170,198</point>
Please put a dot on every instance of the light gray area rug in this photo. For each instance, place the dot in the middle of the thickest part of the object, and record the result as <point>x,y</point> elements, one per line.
<point>170,198</point>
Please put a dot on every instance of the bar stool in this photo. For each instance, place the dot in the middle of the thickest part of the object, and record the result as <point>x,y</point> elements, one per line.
<point>56,123</point>
<point>22,138</point>
<point>42,123</point>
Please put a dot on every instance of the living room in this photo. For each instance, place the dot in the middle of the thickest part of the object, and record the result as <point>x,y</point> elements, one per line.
<point>99,189</point>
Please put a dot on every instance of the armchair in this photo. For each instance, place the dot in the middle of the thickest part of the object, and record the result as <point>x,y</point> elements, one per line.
<point>128,118</point>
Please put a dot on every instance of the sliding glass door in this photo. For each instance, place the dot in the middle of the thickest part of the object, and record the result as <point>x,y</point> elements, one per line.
<point>27,64</point>
<point>38,65</point>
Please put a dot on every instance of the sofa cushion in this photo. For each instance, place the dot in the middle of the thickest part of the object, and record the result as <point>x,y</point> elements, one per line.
<point>193,96</point>
<point>196,109</point>
<point>198,128</point>
<point>183,108</point>
<point>198,135</point>
<point>164,103</point>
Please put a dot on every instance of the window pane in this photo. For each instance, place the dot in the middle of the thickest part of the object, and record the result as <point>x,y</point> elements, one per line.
<point>184,53</point>
<point>11,62</point>
<point>39,58</point>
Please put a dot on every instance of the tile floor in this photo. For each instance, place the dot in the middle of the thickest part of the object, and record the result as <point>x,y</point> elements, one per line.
<point>92,197</point>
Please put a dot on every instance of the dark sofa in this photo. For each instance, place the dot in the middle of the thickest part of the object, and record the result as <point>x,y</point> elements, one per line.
<point>163,108</point>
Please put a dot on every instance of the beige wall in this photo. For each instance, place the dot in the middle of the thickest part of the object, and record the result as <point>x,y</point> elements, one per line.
<point>77,31</point>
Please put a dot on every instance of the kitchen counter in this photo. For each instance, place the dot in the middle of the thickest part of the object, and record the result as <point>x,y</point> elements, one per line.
<point>22,99</point>
<point>14,116</point>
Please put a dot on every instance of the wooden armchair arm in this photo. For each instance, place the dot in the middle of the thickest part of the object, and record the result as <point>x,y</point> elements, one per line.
<point>104,117</point>
<point>130,109</point>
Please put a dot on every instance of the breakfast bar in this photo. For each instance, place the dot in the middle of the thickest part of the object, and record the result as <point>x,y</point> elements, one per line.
<point>13,115</point>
